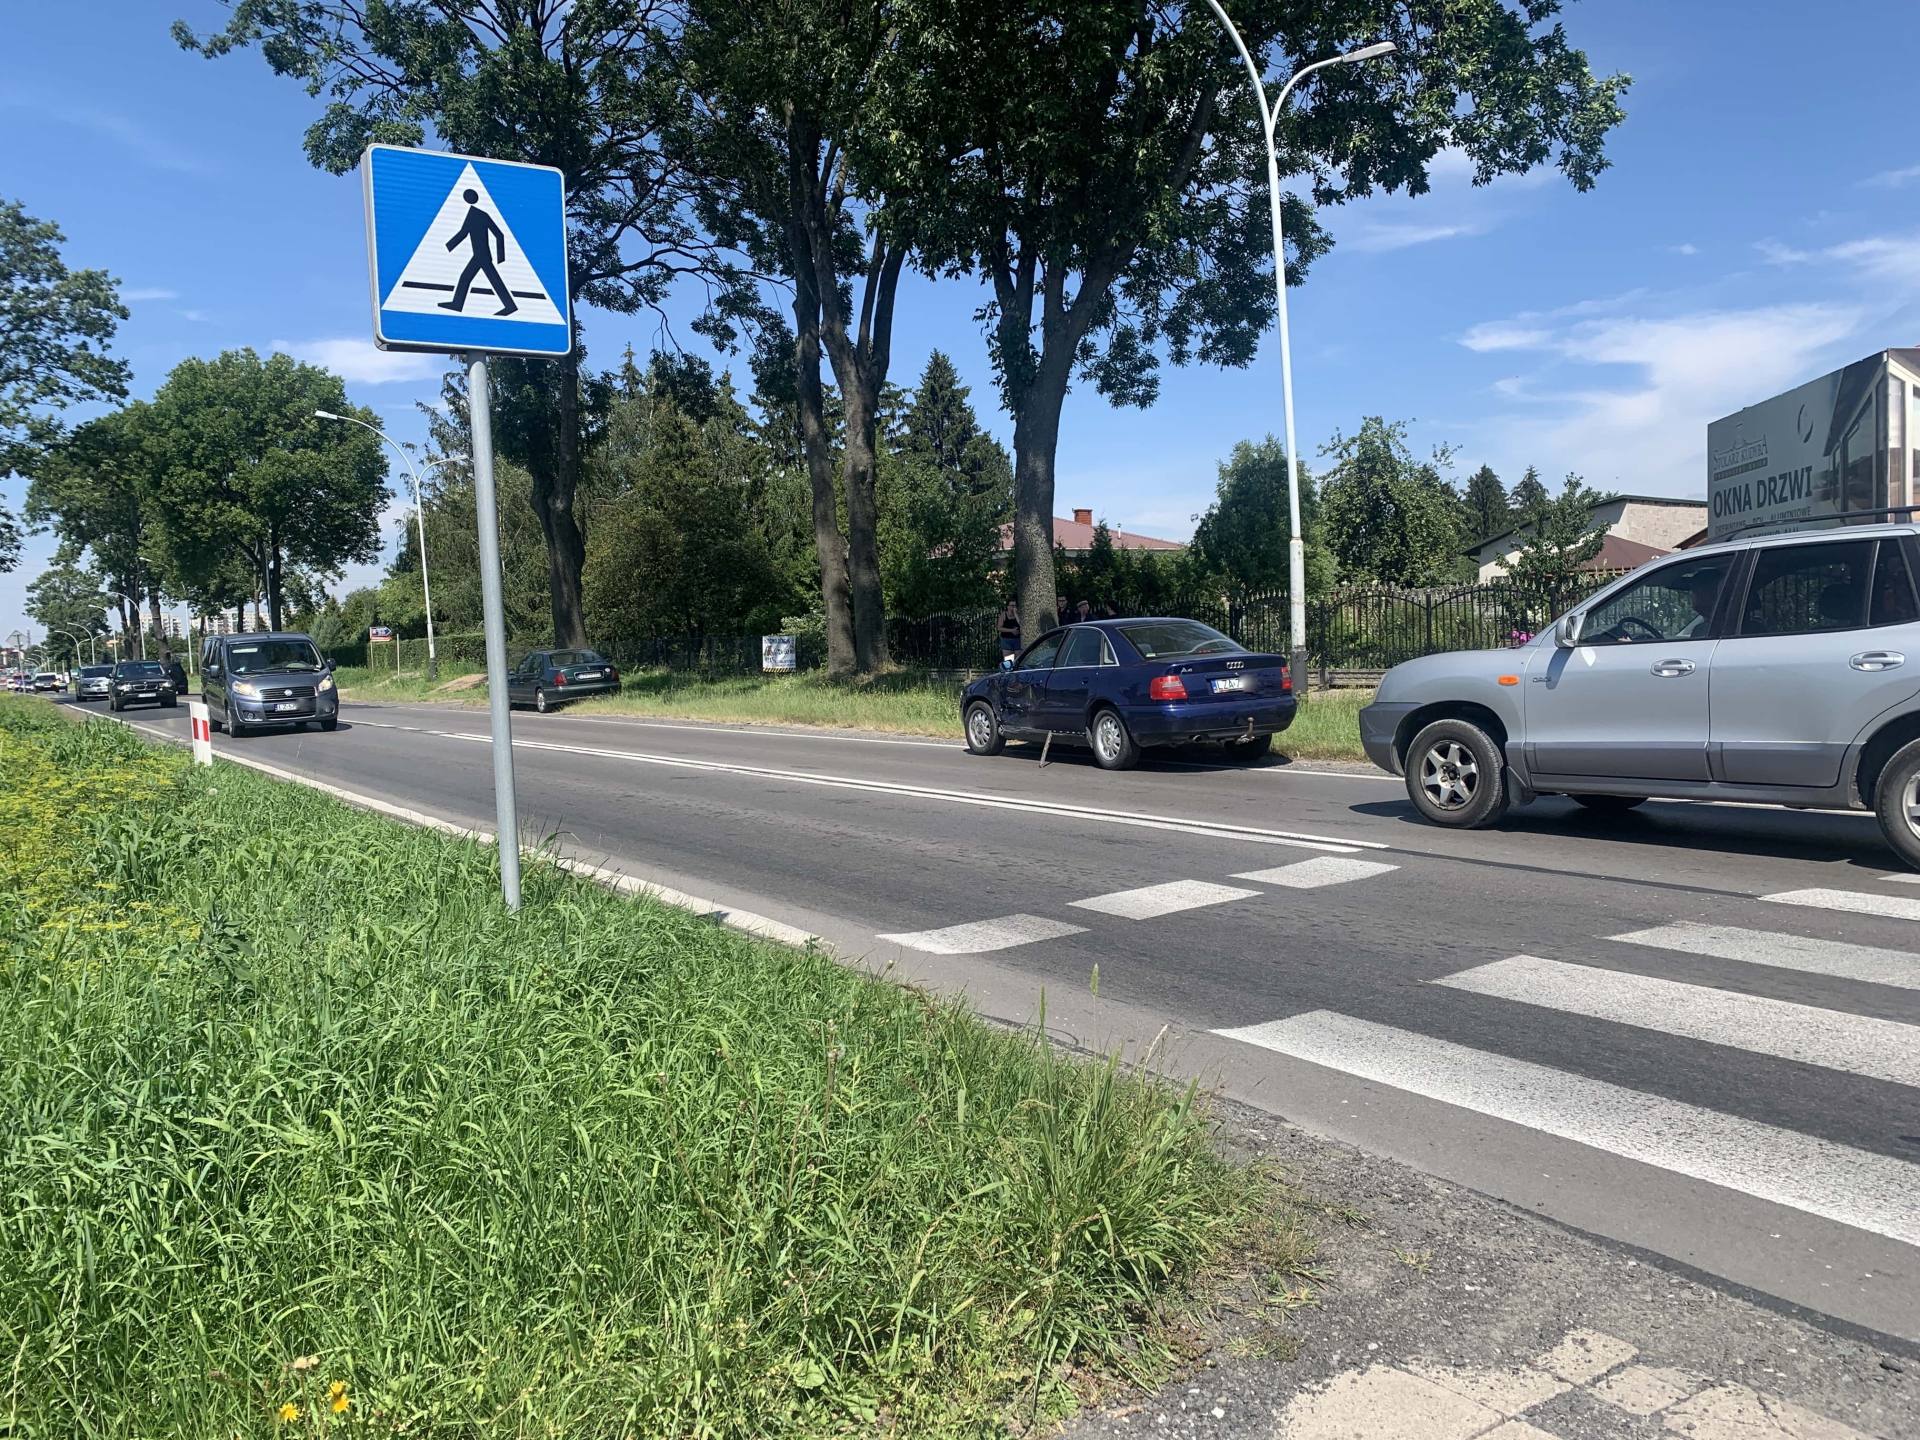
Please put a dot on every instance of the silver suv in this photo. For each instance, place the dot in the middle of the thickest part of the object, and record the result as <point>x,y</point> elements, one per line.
<point>1771,670</point>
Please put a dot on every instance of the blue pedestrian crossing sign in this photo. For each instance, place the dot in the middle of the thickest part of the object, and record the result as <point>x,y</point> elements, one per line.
<point>466,254</point>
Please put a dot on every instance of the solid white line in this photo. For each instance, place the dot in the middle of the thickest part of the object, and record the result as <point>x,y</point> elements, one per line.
<point>1857,902</point>
<point>1870,963</point>
<point>1833,1039</point>
<point>981,936</point>
<point>1855,1187</point>
<point>717,729</point>
<point>733,918</point>
<point>1312,874</point>
<point>1168,899</point>
<point>1217,830</point>
<point>1905,877</point>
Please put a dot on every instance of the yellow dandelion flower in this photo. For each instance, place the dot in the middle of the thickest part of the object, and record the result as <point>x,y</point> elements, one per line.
<point>340,1402</point>
<point>289,1412</point>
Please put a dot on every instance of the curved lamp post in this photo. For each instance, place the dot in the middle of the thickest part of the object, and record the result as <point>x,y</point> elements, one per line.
<point>1270,120</point>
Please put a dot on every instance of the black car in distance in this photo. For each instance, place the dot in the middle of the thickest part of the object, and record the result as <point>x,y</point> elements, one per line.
<point>141,682</point>
<point>548,678</point>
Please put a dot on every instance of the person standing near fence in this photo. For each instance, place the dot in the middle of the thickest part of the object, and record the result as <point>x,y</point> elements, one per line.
<point>1010,629</point>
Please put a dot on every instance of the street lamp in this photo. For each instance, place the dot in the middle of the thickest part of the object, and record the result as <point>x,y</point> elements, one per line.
<point>1270,119</point>
<point>420,521</point>
<point>74,636</point>
<point>139,624</point>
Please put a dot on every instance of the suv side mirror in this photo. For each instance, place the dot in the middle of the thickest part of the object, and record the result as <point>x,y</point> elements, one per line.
<point>330,665</point>
<point>1567,633</point>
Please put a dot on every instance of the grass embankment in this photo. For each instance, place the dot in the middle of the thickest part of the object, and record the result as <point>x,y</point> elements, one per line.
<point>1327,727</point>
<point>299,1133</point>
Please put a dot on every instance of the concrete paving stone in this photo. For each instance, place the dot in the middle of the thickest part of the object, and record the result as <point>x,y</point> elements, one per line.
<point>1383,1403</point>
<point>1508,1390</point>
<point>1643,1389</point>
<point>1585,1355</point>
<point>1734,1412</point>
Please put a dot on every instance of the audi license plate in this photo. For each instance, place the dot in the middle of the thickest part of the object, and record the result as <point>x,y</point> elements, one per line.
<point>1231,682</point>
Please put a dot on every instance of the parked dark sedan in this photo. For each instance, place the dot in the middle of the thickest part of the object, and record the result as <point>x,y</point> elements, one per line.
<point>141,682</point>
<point>93,682</point>
<point>1121,686</point>
<point>548,678</point>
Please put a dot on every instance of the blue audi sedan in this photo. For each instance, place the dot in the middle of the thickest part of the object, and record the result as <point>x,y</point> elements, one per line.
<point>1122,686</point>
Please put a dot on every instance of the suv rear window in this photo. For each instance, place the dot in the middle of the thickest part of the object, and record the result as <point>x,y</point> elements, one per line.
<point>1807,589</point>
<point>1170,639</point>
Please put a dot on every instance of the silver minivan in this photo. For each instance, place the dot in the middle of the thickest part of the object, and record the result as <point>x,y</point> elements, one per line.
<point>265,681</point>
<point>1782,670</point>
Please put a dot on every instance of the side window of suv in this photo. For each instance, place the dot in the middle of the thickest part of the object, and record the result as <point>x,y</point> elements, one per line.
<point>1893,597</point>
<point>1808,589</point>
<point>1675,602</point>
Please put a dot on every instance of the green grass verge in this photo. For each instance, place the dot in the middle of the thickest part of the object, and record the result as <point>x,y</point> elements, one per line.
<point>1327,728</point>
<point>300,1133</point>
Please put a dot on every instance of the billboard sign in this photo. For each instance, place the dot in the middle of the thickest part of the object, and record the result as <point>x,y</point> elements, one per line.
<point>1819,449</point>
<point>778,653</point>
<point>380,634</point>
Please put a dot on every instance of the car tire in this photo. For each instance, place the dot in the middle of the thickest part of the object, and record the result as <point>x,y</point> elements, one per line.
<point>170,704</point>
<point>1243,752</point>
<point>235,726</point>
<point>1609,804</point>
<point>983,730</point>
<point>1896,802</point>
<point>330,724</point>
<point>1114,747</point>
<point>540,704</point>
<point>1456,775</point>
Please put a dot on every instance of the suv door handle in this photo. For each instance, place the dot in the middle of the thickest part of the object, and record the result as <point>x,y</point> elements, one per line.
<point>1872,660</point>
<point>1668,669</point>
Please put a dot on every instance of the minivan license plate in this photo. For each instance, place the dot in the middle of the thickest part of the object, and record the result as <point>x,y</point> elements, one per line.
<point>288,705</point>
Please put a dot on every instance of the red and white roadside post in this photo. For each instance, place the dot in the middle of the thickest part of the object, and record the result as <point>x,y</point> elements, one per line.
<point>202,732</point>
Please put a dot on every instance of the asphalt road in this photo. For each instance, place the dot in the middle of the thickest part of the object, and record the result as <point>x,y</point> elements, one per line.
<point>1693,1030</point>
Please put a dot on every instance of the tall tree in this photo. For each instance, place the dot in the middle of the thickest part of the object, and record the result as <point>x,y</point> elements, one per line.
<point>67,602</point>
<point>1244,535</point>
<point>55,325</point>
<point>567,83</point>
<point>792,115</point>
<point>1487,511</point>
<point>245,474</point>
<point>1389,517</point>
<point>1528,495</point>
<point>1562,538</point>
<point>1111,185</point>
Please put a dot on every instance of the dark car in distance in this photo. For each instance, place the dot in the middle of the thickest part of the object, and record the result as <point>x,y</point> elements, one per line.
<point>140,682</point>
<point>547,678</point>
<point>93,682</point>
<point>1123,686</point>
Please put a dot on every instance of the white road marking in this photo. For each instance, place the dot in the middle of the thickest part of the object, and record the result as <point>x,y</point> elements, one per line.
<point>1211,829</point>
<point>1905,877</point>
<point>1854,1187</point>
<point>981,936</point>
<point>1168,899</point>
<point>1834,1039</point>
<point>1838,958</point>
<point>1312,874</point>
<point>1857,902</point>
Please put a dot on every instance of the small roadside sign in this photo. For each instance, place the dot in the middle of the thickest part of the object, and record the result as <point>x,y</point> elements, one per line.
<point>202,728</point>
<point>778,653</point>
<point>380,634</point>
<point>466,254</point>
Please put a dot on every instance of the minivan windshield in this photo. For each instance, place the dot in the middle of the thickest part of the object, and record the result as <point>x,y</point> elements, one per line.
<point>258,656</point>
<point>1166,639</point>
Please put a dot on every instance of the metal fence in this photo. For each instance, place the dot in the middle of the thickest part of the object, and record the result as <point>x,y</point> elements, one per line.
<point>1351,631</point>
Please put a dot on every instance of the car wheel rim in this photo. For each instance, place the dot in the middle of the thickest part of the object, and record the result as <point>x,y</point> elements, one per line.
<point>1910,806</point>
<point>980,727</point>
<point>540,701</point>
<point>1106,737</point>
<point>1449,775</point>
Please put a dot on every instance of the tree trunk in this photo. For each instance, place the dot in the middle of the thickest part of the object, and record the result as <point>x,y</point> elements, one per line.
<point>836,591</point>
<point>555,484</point>
<point>159,624</point>
<point>863,543</point>
<point>1036,437</point>
<point>274,605</point>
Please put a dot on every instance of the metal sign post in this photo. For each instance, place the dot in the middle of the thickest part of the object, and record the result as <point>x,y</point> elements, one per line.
<point>469,257</point>
<point>505,805</point>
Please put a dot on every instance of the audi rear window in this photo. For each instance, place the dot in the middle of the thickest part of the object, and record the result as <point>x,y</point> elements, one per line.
<point>1172,639</point>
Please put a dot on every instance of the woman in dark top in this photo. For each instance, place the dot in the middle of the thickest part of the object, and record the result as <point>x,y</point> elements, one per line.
<point>1010,629</point>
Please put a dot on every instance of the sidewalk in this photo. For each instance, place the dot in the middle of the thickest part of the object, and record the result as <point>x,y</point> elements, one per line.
<point>1448,1316</point>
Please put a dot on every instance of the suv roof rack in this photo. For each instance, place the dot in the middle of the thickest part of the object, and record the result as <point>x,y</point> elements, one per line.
<point>1844,517</point>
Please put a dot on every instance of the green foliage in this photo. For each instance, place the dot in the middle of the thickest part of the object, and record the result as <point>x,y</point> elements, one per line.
<point>1242,540</point>
<point>55,325</point>
<point>1488,512</point>
<point>1389,517</point>
<point>1527,497</point>
<point>601,1167</point>
<point>249,481</point>
<point>1562,536</point>
<point>95,488</point>
<point>67,602</point>
<point>945,488</point>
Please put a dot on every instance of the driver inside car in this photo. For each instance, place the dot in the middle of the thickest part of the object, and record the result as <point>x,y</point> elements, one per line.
<point>1705,595</point>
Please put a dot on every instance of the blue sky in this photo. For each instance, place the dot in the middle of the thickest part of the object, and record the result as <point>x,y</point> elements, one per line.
<point>1761,224</point>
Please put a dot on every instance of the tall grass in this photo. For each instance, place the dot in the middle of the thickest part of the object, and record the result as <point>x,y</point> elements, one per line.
<point>346,1145</point>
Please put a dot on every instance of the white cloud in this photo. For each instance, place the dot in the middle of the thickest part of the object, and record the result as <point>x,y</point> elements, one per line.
<point>198,317</point>
<point>1883,258</point>
<point>1774,253</point>
<point>1505,335</point>
<point>1378,237</point>
<point>149,293</point>
<point>361,362</point>
<point>1685,248</point>
<point>1893,179</point>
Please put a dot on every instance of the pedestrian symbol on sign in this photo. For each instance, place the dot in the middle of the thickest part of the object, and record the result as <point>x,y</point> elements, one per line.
<point>485,236</point>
